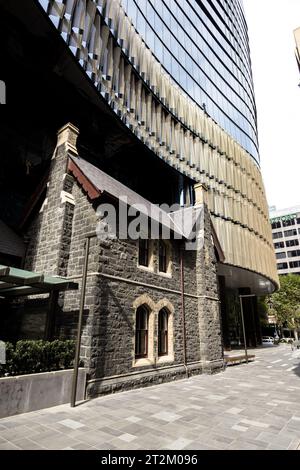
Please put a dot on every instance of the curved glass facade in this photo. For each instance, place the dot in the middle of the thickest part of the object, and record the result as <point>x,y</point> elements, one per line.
<point>204,46</point>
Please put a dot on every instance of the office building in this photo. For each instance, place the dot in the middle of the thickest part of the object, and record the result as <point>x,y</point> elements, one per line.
<point>297,51</point>
<point>286,239</point>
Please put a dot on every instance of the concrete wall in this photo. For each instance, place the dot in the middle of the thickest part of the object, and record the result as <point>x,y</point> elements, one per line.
<point>37,391</point>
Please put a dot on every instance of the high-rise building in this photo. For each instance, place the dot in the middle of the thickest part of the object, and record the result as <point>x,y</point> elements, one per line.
<point>154,101</point>
<point>297,51</point>
<point>286,238</point>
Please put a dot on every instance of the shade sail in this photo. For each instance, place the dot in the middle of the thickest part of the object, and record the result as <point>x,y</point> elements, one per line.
<point>16,282</point>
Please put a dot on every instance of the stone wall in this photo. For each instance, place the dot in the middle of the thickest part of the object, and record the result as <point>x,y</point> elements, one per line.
<point>211,348</point>
<point>114,283</point>
<point>50,234</point>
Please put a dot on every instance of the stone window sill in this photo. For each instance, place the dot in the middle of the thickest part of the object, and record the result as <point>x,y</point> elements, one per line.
<point>147,269</point>
<point>167,275</point>
<point>164,359</point>
<point>143,362</point>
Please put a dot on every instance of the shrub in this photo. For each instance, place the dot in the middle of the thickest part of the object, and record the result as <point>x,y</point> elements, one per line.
<point>9,367</point>
<point>29,357</point>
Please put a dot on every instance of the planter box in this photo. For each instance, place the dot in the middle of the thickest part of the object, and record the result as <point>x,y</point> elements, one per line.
<point>37,391</point>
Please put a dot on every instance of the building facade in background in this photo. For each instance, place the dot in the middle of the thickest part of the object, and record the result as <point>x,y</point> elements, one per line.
<point>297,51</point>
<point>154,100</point>
<point>286,239</point>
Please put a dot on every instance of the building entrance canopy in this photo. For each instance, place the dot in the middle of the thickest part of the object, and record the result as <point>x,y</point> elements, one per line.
<point>18,282</point>
<point>238,278</point>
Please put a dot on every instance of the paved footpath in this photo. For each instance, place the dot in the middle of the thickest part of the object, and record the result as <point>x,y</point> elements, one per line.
<point>254,406</point>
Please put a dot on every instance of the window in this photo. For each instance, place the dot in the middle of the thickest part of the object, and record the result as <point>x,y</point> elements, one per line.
<point>144,253</point>
<point>295,264</point>
<point>294,253</point>
<point>163,265</point>
<point>288,223</point>
<point>281,255</point>
<point>276,225</point>
<point>141,332</point>
<point>278,245</point>
<point>290,243</point>
<point>282,266</point>
<point>163,319</point>
<point>277,235</point>
<point>290,233</point>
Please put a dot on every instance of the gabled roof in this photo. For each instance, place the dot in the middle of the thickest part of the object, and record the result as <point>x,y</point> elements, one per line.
<point>95,182</point>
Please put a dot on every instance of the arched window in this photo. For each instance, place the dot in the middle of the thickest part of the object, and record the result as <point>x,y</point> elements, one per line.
<point>163,264</point>
<point>144,253</point>
<point>141,332</point>
<point>163,319</point>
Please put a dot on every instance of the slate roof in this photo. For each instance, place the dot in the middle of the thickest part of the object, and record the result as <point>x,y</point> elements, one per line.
<point>96,182</point>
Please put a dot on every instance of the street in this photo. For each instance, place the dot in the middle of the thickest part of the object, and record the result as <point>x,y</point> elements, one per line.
<point>254,406</point>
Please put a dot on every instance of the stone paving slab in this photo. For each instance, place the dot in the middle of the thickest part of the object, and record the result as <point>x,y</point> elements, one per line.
<point>254,406</point>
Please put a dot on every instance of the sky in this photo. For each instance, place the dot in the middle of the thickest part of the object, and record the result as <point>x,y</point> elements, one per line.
<point>276,78</point>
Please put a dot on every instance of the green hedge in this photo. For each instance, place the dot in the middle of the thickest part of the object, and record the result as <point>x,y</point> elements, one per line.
<point>30,357</point>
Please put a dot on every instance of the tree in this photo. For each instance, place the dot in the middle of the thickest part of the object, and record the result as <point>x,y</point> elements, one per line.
<point>285,304</point>
<point>263,311</point>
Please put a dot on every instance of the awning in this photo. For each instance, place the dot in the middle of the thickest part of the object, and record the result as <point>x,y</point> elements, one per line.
<point>18,282</point>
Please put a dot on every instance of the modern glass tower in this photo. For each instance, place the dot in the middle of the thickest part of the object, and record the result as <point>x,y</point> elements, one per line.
<point>297,51</point>
<point>204,46</point>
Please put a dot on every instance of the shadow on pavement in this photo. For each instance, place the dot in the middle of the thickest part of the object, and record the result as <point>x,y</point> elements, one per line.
<point>297,370</point>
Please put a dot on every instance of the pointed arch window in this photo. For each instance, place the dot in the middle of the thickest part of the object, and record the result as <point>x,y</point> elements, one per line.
<point>163,257</point>
<point>141,332</point>
<point>163,321</point>
<point>144,253</point>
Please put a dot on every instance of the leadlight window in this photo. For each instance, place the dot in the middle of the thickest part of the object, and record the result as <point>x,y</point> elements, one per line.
<point>163,267</point>
<point>144,253</point>
<point>163,319</point>
<point>141,332</point>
